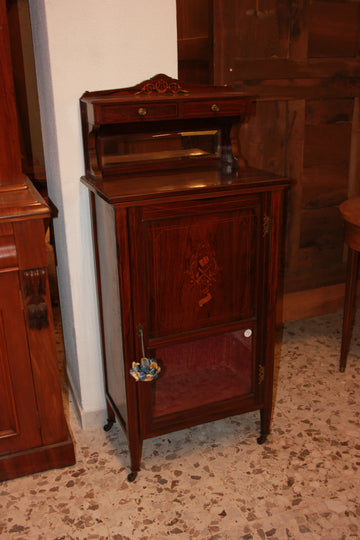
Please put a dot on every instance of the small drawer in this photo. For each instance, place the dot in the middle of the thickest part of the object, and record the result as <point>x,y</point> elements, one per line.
<point>213,108</point>
<point>138,112</point>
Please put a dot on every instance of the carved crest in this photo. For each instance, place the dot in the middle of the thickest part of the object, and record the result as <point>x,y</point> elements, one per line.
<point>161,84</point>
<point>203,271</point>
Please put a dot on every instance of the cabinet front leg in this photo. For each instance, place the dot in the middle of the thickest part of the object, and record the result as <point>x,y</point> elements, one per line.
<point>265,418</point>
<point>135,448</point>
<point>352,270</point>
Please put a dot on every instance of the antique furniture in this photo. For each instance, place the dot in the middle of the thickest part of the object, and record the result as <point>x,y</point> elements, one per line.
<point>188,245</point>
<point>350,211</point>
<point>33,432</point>
<point>301,60</point>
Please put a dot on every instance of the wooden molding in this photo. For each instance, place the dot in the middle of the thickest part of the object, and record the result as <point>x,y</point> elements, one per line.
<point>311,303</point>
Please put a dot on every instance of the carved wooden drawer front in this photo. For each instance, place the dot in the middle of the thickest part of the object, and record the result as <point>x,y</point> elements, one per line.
<point>214,107</point>
<point>138,112</point>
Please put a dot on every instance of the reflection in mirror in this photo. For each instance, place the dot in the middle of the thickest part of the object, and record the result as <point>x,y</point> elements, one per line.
<point>127,148</point>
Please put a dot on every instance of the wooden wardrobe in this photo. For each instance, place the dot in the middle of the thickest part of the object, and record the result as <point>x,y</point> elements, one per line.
<point>301,59</point>
<point>33,431</point>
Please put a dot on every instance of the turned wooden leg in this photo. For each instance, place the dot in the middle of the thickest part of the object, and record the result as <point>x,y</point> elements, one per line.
<point>265,419</point>
<point>349,305</point>
<point>135,449</point>
<point>110,417</point>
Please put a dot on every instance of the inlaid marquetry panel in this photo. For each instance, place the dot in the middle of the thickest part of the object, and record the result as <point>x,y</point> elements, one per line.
<point>210,273</point>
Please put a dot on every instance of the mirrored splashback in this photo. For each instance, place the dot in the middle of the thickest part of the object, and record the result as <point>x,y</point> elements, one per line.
<point>134,148</point>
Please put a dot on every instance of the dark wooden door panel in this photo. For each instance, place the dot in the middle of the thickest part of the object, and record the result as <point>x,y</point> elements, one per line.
<point>300,58</point>
<point>199,271</point>
<point>9,425</point>
<point>195,48</point>
<point>10,170</point>
<point>333,29</point>
<point>305,124</point>
<point>19,427</point>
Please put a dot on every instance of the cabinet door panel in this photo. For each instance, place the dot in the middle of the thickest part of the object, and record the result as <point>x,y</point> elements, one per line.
<point>196,280</point>
<point>198,270</point>
<point>9,425</point>
<point>202,371</point>
<point>19,428</point>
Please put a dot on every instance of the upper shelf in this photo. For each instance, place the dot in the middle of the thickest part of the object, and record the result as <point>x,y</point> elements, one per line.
<point>160,124</point>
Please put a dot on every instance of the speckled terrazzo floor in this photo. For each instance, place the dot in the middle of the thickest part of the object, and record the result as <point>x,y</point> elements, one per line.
<point>213,481</point>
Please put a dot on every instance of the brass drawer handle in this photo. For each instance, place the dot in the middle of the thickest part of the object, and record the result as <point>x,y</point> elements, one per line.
<point>142,111</point>
<point>215,108</point>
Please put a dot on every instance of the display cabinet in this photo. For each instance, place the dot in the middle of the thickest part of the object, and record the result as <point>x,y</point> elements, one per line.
<point>188,243</point>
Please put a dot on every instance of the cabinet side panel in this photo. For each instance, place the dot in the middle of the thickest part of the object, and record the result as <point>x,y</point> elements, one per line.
<point>111,307</point>
<point>30,242</point>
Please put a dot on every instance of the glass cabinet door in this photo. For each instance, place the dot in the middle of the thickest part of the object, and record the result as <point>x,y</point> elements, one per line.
<point>197,282</point>
<point>197,372</point>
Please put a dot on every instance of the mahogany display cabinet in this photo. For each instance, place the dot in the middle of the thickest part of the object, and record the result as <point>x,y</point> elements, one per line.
<point>188,243</point>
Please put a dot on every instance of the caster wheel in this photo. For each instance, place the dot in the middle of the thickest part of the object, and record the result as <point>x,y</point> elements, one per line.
<point>261,439</point>
<point>132,476</point>
<point>109,425</point>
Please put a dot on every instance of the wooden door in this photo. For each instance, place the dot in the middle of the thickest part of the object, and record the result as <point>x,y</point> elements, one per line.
<point>195,40</point>
<point>19,425</point>
<point>300,58</point>
<point>198,284</point>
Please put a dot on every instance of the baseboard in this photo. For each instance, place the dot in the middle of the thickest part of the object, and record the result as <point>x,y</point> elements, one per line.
<point>88,419</point>
<point>39,459</point>
<point>310,303</point>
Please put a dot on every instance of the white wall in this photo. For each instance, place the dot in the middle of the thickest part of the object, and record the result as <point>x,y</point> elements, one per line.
<point>88,45</point>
